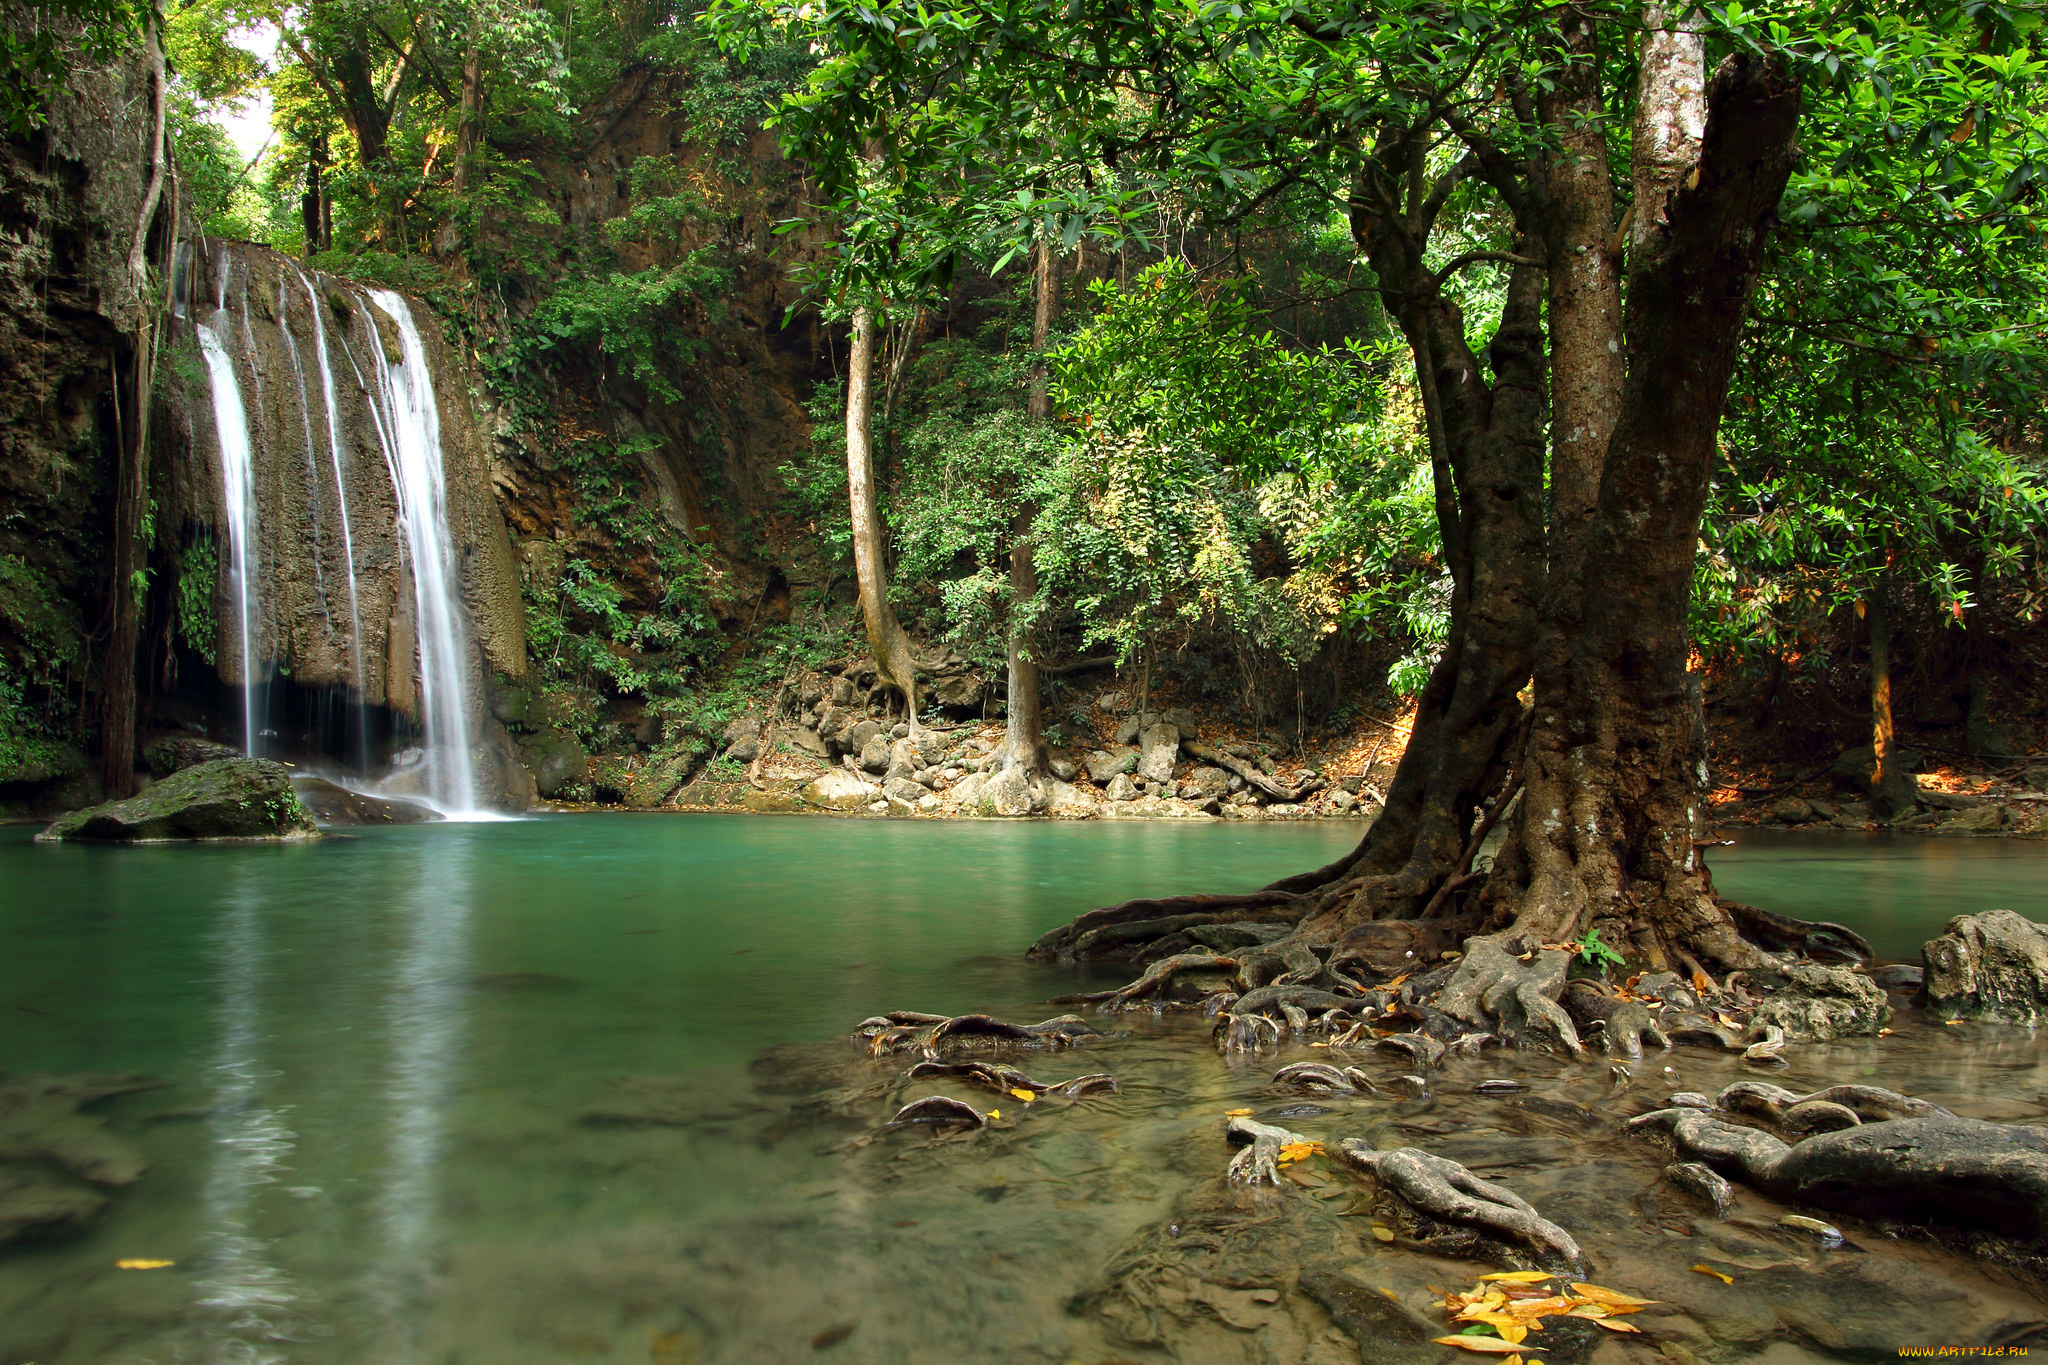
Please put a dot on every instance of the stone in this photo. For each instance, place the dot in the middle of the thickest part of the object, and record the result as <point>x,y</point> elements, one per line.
<point>739,729</point>
<point>1898,976</point>
<point>1990,966</point>
<point>229,798</point>
<point>556,760</point>
<point>899,730</point>
<point>178,752</point>
<point>832,722</point>
<point>41,1120</point>
<point>1009,793</point>
<point>842,692</point>
<point>839,790</point>
<point>1943,1169</point>
<point>1181,719</point>
<point>330,804</point>
<point>1063,798</point>
<point>1122,788</point>
<point>1131,727</point>
<point>744,750</point>
<point>2034,778</point>
<point>874,755</point>
<point>904,790</point>
<point>1352,784</point>
<point>928,805</point>
<point>1385,1331</point>
<point>858,734</point>
<point>772,801</point>
<point>1104,764</point>
<point>811,742</point>
<point>38,1205</point>
<point>1342,801</point>
<point>1064,768</point>
<point>1979,820</point>
<point>1205,784</point>
<point>1110,701</point>
<point>1159,748</point>
<point>956,690</point>
<point>930,746</point>
<point>1791,810</point>
<point>905,754</point>
<point>968,789</point>
<point>1814,1004</point>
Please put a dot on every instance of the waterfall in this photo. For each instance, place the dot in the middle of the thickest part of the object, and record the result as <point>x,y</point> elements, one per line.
<point>411,425</point>
<point>238,486</point>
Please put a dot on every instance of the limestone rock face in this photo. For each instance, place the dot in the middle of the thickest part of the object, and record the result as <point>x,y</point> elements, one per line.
<point>232,798</point>
<point>1988,966</point>
<point>557,761</point>
<point>840,790</point>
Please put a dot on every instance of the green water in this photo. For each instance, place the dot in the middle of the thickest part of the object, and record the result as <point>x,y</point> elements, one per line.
<point>569,1089</point>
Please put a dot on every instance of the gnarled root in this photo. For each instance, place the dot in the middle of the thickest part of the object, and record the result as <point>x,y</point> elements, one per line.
<point>1514,988</point>
<point>1622,1026</point>
<point>942,1111</point>
<point>1445,1190</point>
<point>1836,1106</point>
<point>1008,1080</point>
<point>902,1031</point>
<point>1320,1078</point>
<point>1258,1162</point>
<point>1696,1177</point>
<point>1152,987</point>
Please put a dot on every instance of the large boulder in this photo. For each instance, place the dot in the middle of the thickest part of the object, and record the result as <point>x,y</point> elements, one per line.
<point>556,758</point>
<point>331,804</point>
<point>230,798</point>
<point>874,753</point>
<point>1009,793</point>
<point>840,790</point>
<point>1205,784</point>
<point>1988,966</point>
<point>1815,1003</point>
<point>1159,749</point>
<point>1122,788</point>
<point>1105,764</point>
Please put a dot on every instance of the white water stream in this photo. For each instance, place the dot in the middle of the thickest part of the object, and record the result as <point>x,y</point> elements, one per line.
<point>238,487</point>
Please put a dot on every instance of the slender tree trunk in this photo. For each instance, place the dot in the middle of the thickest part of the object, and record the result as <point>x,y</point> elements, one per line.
<point>469,132</point>
<point>1024,737</point>
<point>1891,788</point>
<point>891,647</point>
<point>313,203</point>
<point>131,485</point>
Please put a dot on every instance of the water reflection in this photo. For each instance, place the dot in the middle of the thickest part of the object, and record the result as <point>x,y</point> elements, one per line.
<point>425,1021</point>
<point>247,1291</point>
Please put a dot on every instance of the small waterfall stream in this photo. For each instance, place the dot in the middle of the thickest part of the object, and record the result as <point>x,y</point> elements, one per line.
<point>413,420</point>
<point>238,486</point>
<point>399,556</point>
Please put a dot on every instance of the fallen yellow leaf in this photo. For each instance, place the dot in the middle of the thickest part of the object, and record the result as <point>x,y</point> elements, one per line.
<point>1296,1151</point>
<point>1614,1298</point>
<point>995,1113</point>
<point>1025,1095</point>
<point>1614,1326</point>
<point>1382,1232</point>
<point>1709,1270</point>
<point>1509,1328</point>
<point>1237,1113</point>
<point>136,1264</point>
<point>1517,1277</point>
<point>1496,1346</point>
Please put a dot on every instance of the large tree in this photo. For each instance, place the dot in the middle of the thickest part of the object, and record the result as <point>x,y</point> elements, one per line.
<point>1615,171</point>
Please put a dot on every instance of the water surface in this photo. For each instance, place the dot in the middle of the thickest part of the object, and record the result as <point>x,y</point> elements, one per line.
<point>570,1090</point>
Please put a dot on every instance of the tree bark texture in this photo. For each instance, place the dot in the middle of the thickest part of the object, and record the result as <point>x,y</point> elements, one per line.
<point>890,646</point>
<point>1024,728</point>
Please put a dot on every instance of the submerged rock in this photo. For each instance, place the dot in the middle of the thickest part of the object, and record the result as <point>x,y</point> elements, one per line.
<point>1988,966</point>
<point>331,804</point>
<point>1814,1004</point>
<point>238,798</point>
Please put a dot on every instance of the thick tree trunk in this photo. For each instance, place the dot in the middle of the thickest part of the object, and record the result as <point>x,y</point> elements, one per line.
<point>469,131</point>
<point>891,647</point>
<point>313,210</point>
<point>1612,825</point>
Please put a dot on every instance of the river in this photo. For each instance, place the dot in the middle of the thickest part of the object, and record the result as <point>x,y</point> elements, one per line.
<point>571,1089</point>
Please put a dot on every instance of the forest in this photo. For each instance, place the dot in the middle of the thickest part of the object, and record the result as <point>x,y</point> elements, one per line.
<point>1560,488</point>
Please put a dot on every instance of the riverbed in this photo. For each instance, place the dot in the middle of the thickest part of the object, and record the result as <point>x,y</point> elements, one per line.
<point>575,1089</point>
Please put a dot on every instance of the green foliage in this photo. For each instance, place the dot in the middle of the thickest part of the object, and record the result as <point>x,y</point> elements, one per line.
<point>649,323</point>
<point>198,576</point>
<point>38,647</point>
<point>42,42</point>
<point>1594,953</point>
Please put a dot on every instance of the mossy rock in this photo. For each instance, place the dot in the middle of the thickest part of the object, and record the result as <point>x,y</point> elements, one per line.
<point>231,798</point>
<point>175,753</point>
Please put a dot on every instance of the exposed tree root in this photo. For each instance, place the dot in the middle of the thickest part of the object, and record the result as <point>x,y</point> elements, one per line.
<point>941,1111</point>
<point>1008,1080</point>
<point>1258,1164</point>
<point>1932,1166</point>
<point>904,1031</point>
<point>1252,776</point>
<point>1320,1078</point>
<point>1445,1190</point>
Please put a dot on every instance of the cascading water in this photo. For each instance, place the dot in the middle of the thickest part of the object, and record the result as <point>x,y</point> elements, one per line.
<point>238,486</point>
<point>410,423</point>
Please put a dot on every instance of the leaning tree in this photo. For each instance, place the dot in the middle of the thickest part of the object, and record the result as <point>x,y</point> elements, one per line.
<point>1614,170</point>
